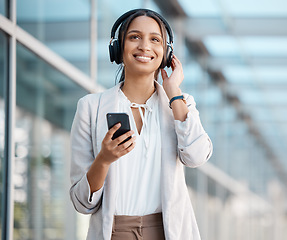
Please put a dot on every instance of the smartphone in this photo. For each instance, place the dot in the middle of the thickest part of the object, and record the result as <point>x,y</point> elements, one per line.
<point>123,118</point>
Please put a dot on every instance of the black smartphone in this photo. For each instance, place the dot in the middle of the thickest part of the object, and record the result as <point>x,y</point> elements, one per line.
<point>123,118</point>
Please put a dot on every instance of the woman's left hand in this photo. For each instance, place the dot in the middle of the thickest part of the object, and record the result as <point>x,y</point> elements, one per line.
<point>171,84</point>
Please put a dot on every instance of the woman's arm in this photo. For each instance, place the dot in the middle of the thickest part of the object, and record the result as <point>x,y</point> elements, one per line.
<point>82,157</point>
<point>88,173</point>
<point>171,86</point>
<point>110,152</point>
<point>194,145</point>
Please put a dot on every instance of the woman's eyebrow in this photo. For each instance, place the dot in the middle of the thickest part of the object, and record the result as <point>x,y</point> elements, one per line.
<point>137,31</point>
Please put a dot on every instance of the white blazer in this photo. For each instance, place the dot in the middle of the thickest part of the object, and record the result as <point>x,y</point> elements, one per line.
<point>190,147</point>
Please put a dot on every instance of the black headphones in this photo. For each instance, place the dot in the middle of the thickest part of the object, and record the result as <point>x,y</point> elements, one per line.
<point>115,48</point>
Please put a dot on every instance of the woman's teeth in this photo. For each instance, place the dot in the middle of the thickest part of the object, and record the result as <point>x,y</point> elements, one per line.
<point>143,58</point>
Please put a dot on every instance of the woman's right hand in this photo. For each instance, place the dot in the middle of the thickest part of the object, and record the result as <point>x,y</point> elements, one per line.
<point>112,149</point>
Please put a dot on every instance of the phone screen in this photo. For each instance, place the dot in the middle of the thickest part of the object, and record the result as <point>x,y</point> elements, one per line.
<point>123,118</point>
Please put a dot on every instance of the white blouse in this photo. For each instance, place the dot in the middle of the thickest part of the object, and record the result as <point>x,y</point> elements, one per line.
<point>138,173</point>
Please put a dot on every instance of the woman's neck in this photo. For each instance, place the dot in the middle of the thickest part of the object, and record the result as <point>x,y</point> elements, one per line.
<point>139,89</point>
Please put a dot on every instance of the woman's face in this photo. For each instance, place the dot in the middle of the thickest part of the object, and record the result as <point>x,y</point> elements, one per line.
<point>143,48</point>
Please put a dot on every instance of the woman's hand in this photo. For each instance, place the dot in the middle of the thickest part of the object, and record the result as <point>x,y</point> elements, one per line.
<point>110,152</point>
<point>171,88</point>
<point>112,149</point>
<point>171,84</point>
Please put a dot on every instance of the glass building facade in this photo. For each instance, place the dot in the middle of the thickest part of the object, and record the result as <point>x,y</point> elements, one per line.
<point>3,60</point>
<point>234,57</point>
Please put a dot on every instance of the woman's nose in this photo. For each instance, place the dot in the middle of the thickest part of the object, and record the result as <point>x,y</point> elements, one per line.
<point>144,45</point>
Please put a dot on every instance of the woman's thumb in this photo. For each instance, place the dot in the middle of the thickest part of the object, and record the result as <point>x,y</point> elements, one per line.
<point>163,74</point>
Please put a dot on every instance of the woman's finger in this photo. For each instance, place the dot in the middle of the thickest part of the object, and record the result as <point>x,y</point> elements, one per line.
<point>164,74</point>
<point>176,61</point>
<point>123,137</point>
<point>173,64</point>
<point>111,132</point>
<point>127,144</point>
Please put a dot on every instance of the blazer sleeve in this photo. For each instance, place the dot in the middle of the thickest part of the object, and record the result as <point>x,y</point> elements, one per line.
<point>194,145</point>
<point>81,159</point>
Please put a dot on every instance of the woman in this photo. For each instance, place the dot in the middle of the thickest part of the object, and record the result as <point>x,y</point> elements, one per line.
<point>137,190</point>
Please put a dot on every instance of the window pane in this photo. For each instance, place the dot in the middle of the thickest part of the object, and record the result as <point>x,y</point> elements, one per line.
<point>108,12</point>
<point>3,8</point>
<point>3,76</point>
<point>64,26</point>
<point>46,103</point>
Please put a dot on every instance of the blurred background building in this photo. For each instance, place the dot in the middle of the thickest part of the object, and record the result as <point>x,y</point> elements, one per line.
<point>234,54</point>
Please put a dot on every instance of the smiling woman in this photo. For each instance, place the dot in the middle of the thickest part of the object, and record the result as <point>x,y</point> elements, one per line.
<point>135,189</point>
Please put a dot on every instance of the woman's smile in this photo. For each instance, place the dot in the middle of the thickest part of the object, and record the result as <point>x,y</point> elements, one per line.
<point>143,58</point>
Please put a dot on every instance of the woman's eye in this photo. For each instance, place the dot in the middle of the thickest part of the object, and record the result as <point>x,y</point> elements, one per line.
<point>155,40</point>
<point>134,37</point>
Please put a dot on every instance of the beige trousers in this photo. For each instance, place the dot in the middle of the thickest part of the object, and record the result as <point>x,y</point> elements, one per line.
<point>148,227</point>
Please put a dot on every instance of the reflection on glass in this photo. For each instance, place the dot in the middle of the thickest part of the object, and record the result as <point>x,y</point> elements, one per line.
<point>3,75</point>
<point>108,12</point>
<point>64,26</point>
<point>242,199</point>
<point>3,9</point>
<point>46,102</point>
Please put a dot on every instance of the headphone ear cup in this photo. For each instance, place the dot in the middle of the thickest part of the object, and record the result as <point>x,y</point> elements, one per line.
<point>112,54</point>
<point>115,51</point>
<point>169,56</point>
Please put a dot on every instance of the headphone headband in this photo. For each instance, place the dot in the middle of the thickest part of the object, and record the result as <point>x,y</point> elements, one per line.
<point>122,18</point>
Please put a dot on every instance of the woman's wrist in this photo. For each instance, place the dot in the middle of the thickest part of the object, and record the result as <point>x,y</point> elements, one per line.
<point>173,92</point>
<point>179,97</point>
<point>102,161</point>
<point>97,173</point>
